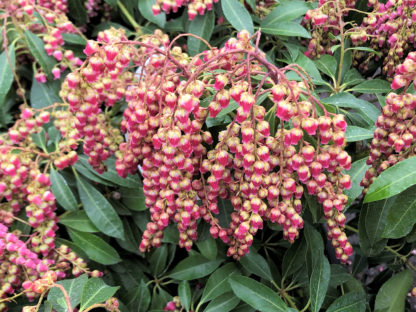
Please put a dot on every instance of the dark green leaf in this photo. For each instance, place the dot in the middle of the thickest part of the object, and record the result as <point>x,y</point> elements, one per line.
<point>339,275</point>
<point>74,39</point>
<point>357,172</point>
<point>131,241</point>
<point>61,190</point>
<point>217,283</point>
<point>237,15</point>
<point>373,86</point>
<point>6,76</point>
<point>99,210</point>
<point>256,294</point>
<point>285,12</point>
<point>78,220</point>
<point>44,94</point>
<point>402,216</point>
<point>287,29</point>
<point>95,291</point>
<point>354,133</point>
<point>133,198</point>
<point>77,11</point>
<point>256,264</point>
<point>73,288</point>
<point>158,260</point>
<point>351,302</point>
<point>223,303</point>
<point>392,295</point>
<point>143,297</point>
<point>184,292</point>
<point>208,248</point>
<point>201,26</point>
<point>319,282</point>
<point>95,247</point>
<point>193,267</point>
<point>91,176</point>
<point>36,47</point>
<point>225,208</point>
<point>294,257</point>
<point>327,64</point>
<point>392,181</point>
<point>145,8</point>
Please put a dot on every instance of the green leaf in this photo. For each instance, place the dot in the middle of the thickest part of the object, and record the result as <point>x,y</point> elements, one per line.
<point>133,198</point>
<point>284,12</point>
<point>36,47</point>
<point>96,291</point>
<point>201,26</point>
<point>327,64</point>
<point>294,257</point>
<point>217,283</point>
<point>365,49</point>
<point>369,112</point>
<point>371,225</point>
<point>158,260</point>
<point>62,192</point>
<point>356,172</point>
<point>6,75</point>
<point>95,247</point>
<point>74,39</point>
<point>354,133</point>
<point>193,267</point>
<point>402,216</point>
<point>78,220</point>
<point>373,86</point>
<point>143,297</point>
<point>392,295</point>
<point>73,288</point>
<point>256,264</point>
<point>99,210</point>
<point>208,248</point>
<point>292,29</point>
<point>224,303</point>
<point>352,77</point>
<point>315,246</point>
<point>393,181</point>
<point>319,282</point>
<point>145,8</point>
<point>131,241</point>
<point>77,11</point>
<point>237,15</point>
<point>44,94</point>
<point>351,302</point>
<point>257,295</point>
<point>339,275</point>
<point>91,176</point>
<point>309,66</point>
<point>184,292</point>
<point>225,208</point>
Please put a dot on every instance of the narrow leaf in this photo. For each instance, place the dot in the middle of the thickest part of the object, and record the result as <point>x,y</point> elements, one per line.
<point>351,302</point>
<point>319,282</point>
<point>78,220</point>
<point>256,264</point>
<point>224,303</point>
<point>95,291</point>
<point>145,8</point>
<point>237,15</point>
<point>202,26</point>
<point>354,133</point>
<point>62,192</point>
<point>37,49</point>
<point>184,292</point>
<point>193,267</point>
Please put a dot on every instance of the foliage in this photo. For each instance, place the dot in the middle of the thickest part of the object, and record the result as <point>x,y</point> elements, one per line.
<point>190,155</point>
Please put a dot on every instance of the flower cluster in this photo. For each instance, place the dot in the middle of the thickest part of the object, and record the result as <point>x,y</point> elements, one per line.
<point>26,197</point>
<point>263,174</point>
<point>47,20</point>
<point>395,134</point>
<point>195,7</point>
<point>390,29</point>
<point>323,21</point>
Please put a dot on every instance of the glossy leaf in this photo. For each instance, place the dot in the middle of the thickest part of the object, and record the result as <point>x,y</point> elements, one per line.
<point>257,295</point>
<point>287,11</point>
<point>158,260</point>
<point>319,282</point>
<point>61,190</point>
<point>77,11</point>
<point>351,302</point>
<point>99,210</point>
<point>145,8</point>
<point>208,248</point>
<point>78,220</point>
<point>402,216</point>
<point>133,198</point>
<point>73,288</point>
<point>327,64</point>
<point>6,74</point>
<point>256,264</point>
<point>237,15</point>
<point>217,283</point>
<point>95,247</point>
<point>44,94</point>
<point>224,303</point>
<point>354,133</point>
<point>392,295</point>
<point>95,291</point>
<point>184,292</point>
<point>294,257</point>
<point>392,181</point>
<point>356,173</point>
<point>373,86</point>
<point>202,26</point>
<point>36,47</point>
<point>143,297</point>
<point>193,267</point>
<point>287,29</point>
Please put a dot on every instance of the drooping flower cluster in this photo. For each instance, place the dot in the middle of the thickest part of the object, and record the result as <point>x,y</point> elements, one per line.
<point>263,174</point>
<point>46,20</point>
<point>26,197</point>
<point>395,134</point>
<point>323,21</point>
<point>390,30</point>
<point>195,7</point>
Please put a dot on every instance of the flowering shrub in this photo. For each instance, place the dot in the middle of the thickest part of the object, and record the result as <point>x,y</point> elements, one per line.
<point>162,162</point>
